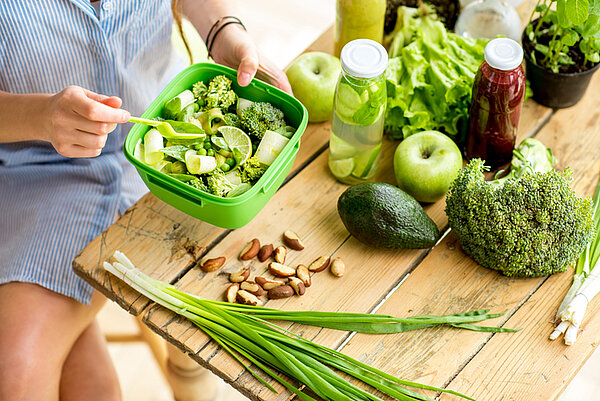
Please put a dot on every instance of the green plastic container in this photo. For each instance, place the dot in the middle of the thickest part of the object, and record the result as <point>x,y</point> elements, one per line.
<point>222,212</point>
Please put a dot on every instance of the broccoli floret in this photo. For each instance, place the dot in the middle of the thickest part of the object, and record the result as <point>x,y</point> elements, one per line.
<point>219,93</point>
<point>217,183</point>
<point>252,170</point>
<point>529,224</point>
<point>198,184</point>
<point>232,120</point>
<point>199,90</point>
<point>261,116</point>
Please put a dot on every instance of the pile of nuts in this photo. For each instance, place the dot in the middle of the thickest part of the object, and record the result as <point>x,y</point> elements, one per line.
<point>297,280</point>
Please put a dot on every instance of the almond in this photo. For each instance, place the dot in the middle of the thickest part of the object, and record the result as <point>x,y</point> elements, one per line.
<point>338,267</point>
<point>239,276</point>
<point>244,297</point>
<point>303,274</point>
<point>252,288</point>
<point>297,285</point>
<point>279,270</point>
<point>265,252</point>
<point>319,264</point>
<point>283,291</point>
<point>280,253</point>
<point>210,265</point>
<point>267,283</point>
<point>292,240</point>
<point>231,292</point>
<point>250,250</point>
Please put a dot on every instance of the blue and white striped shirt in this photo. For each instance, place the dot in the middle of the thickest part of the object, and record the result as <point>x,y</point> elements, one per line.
<point>52,206</point>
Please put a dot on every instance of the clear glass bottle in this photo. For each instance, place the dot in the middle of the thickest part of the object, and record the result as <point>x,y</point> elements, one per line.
<point>358,19</point>
<point>489,19</point>
<point>358,112</point>
<point>496,103</point>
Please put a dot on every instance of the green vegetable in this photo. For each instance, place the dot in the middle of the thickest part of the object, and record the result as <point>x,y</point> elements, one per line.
<point>232,120</point>
<point>259,117</point>
<point>218,184</point>
<point>586,283</point>
<point>530,224</point>
<point>176,151</point>
<point>252,170</point>
<point>382,215</point>
<point>247,331</point>
<point>211,120</point>
<point>429,77</point>
<point>176,105</point>
<point>219,93</point>
<point>178,167</point>
<point>198,184</point>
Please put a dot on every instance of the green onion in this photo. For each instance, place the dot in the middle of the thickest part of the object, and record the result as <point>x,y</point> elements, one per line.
<point>246,331</point>
<point>586,283</point>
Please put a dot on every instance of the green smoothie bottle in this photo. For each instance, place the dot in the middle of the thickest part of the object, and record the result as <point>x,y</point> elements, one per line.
<point>358,112</point>
<point>358,19</point>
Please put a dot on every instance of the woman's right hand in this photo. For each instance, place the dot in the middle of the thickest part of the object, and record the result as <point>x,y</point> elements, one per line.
<point>78,121</point>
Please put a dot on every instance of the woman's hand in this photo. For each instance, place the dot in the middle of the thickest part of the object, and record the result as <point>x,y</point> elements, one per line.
<point>235,48</point>
<point>78,121</point>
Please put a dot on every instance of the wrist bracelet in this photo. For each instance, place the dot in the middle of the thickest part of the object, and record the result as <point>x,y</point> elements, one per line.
<point>210,40</point>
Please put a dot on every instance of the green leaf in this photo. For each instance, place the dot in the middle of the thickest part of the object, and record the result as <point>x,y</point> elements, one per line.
<point>561,13</point>
<point>176,151</point>
<point>542,49</point>
<point>576,11</point>
<point>591,28</point>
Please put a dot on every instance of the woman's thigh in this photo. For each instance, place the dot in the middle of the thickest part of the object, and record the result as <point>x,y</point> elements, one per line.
<point>39,328</point>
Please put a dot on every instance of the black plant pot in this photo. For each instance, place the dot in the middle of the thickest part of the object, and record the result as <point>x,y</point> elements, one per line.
<point>556,90</point>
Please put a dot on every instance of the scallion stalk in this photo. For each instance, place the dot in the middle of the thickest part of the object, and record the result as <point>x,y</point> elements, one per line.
<point>247,331</point>
<point>586,283</point>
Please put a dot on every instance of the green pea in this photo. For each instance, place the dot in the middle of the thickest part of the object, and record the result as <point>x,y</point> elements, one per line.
<point>225,167</point>
<point>230,161</point>
<point>199,146</point>
<point>202,152</point>
<point>207,145</point>
<point>210,152</point>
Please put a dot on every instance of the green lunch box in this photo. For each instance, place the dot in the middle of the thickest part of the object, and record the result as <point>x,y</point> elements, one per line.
<point>222,212</point>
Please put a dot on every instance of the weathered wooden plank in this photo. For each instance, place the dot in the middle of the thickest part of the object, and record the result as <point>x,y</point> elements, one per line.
<point>448,280</point>
<point>156,232</point>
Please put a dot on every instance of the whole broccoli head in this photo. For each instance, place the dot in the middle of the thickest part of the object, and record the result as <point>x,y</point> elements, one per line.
<point>529,224</point>
<point>219,93</point>
<point>261,116</point>
<point>217,183</point>
<point>252,170</point>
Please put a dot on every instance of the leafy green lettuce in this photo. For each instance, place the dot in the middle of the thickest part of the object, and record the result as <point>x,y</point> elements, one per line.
<point>429,76</point>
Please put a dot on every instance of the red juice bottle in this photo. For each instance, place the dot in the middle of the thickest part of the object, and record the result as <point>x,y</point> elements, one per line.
<point>496,103</point>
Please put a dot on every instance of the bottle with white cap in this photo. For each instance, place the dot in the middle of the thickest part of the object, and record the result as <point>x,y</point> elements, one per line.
<point>358,112</point>
<point>496,103</point>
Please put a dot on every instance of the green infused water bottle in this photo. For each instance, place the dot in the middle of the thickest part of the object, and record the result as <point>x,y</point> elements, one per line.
<point>358,112</point>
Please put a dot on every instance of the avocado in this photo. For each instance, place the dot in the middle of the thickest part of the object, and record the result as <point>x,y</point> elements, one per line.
<point>384,216</point>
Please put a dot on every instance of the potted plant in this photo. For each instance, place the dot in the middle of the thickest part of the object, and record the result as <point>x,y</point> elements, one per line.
<point>561,43</point>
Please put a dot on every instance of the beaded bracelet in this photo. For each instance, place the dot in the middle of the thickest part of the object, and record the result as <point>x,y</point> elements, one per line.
<point>211,40</point>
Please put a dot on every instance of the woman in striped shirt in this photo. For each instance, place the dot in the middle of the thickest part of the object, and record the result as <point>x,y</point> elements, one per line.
<point>70,73</point>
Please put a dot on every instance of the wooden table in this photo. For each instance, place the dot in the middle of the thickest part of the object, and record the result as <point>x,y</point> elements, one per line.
<point>167,244</point>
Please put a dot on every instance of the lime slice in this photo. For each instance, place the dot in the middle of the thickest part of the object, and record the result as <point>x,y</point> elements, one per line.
<point>339,148</point>
<point>237,139</point>
<point>366,162</point>
<point>341,168</point>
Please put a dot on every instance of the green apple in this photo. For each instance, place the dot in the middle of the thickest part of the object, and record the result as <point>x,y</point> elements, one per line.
<point>313,76</point>
<point>425,165</point>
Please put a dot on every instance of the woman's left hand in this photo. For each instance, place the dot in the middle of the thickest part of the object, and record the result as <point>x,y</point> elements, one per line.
<point>235,48</point>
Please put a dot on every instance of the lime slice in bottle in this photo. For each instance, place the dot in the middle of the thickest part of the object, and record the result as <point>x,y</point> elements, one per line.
<point>341,168</point>
<point>365,162</point>
<point>237,139</point>
<point>339,148</point>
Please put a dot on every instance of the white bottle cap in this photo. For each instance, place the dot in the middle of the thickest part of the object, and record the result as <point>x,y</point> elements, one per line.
<point>503,54</point>
<point>364,58</point>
